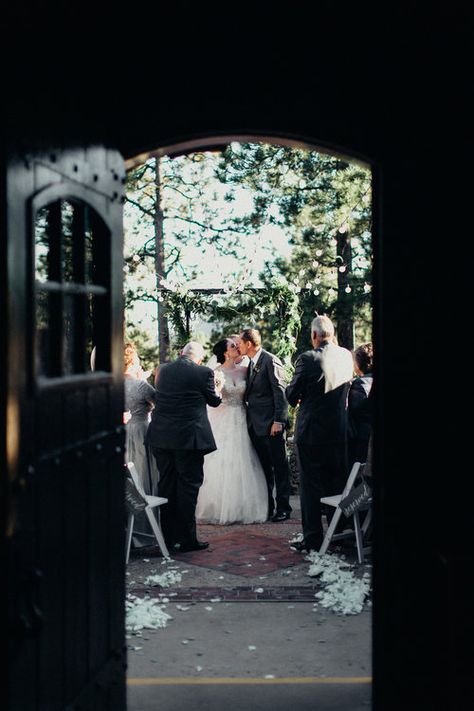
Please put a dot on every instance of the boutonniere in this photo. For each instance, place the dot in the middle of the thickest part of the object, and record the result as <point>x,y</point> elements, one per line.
<point>256,369</point>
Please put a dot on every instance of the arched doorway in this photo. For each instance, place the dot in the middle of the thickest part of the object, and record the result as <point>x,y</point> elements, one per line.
<point>214,590</point>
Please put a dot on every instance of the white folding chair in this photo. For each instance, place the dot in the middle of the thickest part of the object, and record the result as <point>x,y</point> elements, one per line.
<point>359,531</point>
<point>152,502</point>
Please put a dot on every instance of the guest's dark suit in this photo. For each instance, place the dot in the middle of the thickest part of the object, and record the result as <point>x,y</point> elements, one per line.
<point>266,403</point>
<point>360,417</point>
<point>180,435</point>
<point>320,437</point>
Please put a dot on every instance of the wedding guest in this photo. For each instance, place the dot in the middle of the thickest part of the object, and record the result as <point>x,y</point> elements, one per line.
<point>360,404</point>
<point>267,418</point>
<point>139,402</point>
<point>179,435</point>
<point>320,386</point>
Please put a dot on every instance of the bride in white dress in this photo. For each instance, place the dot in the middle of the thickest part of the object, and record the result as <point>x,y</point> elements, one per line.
<point>234,489</point>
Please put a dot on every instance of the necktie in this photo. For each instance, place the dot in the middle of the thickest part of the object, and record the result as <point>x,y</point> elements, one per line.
<point>251,367</point>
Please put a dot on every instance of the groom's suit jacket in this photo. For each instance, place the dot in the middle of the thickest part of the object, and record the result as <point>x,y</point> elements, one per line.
<point>179,420</point>
<point>265,394</point>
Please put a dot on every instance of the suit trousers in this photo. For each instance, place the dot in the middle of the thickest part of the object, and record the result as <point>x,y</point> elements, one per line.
<point>323,472</point>
<point>181,475</point>
<point>273,457</point>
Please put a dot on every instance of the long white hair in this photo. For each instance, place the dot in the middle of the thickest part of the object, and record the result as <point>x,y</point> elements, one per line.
<point>337,366</point>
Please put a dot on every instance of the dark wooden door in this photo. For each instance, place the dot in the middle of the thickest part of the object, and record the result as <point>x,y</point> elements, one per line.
<point>65,542</point>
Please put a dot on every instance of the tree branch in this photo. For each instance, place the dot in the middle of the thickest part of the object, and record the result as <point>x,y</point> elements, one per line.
<point>150,213</point>
<point>218,230</point>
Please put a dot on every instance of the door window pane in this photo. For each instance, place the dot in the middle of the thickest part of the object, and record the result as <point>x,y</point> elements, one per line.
<point>68,334</point>
<point>67,246</point>
<point>41,245</point>
<point>89,253</point>
<point>72,280</point>
<point>43,335</point>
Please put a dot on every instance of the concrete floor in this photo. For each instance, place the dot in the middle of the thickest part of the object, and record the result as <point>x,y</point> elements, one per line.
<point>226,655</point>
<point>264,697</point>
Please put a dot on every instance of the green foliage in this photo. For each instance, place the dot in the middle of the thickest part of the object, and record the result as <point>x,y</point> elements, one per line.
<point>147,349</point>
<point>183,189</point>
<point>319,200</point>
<point>174,229</point>
<point>274,310</point>
<point>183,305</point>
<point>323,203</point>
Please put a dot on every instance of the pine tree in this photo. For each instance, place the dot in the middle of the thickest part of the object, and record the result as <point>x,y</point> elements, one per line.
<point>171,210</point>
<point>323,203</point>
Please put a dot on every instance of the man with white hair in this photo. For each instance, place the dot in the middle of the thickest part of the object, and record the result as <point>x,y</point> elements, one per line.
<point>320,386</point>
<point>179,435</point>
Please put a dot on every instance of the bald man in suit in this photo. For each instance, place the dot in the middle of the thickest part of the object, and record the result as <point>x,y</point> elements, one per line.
<point>180,435</point>
<point>320,386</point>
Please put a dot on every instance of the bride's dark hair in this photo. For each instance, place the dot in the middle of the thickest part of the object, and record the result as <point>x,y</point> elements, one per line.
<point>220,349</point>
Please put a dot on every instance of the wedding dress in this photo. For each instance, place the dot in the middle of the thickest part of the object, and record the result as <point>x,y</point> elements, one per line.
<point>234,489</point>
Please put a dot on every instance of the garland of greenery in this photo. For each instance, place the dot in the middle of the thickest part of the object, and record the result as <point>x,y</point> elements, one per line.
<point>182,306</point>
<point>278,301</point>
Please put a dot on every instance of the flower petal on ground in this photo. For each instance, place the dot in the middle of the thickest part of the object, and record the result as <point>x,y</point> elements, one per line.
<point>164,580</point>
<point>144,613</point>
<point>342,591</point>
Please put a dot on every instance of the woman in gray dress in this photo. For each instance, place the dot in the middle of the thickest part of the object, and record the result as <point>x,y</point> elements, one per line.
<point>139,402</point>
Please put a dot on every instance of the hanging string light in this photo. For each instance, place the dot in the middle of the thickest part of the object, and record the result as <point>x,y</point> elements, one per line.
<point>342,228</point>
<point>239,285</point>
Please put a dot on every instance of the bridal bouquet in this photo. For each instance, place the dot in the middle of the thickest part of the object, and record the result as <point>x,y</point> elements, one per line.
<point>219,379</point>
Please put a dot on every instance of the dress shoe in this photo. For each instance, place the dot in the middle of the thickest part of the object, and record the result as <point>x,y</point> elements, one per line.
<point>281,516</point>
<point>193,546</point>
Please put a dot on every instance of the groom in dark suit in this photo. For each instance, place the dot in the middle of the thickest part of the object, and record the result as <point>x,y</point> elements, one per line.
<point>267,416</point>
<point>179,435</point>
